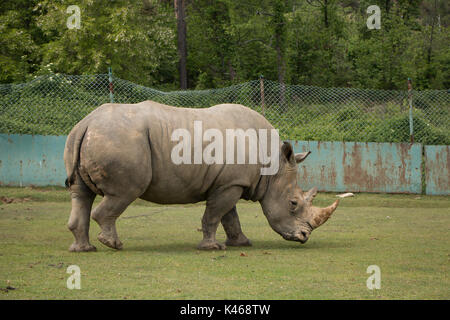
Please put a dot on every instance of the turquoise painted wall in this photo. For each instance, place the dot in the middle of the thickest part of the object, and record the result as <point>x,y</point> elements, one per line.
<point>437,174</point>
<point>27,160</point>
<point>361,166</point>
<point>332,166</point>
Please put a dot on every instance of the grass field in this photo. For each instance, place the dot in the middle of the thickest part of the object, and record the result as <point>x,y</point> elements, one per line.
<point>407,236</point>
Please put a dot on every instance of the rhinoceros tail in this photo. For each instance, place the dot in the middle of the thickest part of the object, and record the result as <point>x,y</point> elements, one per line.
<point>72,166</point>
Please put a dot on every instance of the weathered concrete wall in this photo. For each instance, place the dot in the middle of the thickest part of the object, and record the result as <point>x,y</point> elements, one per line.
<point>332,166</point>
<point>437,173</point>
<point>361,166</point>
<point>32,160</point>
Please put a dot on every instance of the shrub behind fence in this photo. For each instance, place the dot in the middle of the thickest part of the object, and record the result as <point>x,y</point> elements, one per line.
<point>53,104</point>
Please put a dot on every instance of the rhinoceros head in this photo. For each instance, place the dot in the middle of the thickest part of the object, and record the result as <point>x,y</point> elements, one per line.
<point>288,209</point>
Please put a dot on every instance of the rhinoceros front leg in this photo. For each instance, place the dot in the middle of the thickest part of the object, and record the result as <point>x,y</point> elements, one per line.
<point>217,205</point>
<point>232,227</point>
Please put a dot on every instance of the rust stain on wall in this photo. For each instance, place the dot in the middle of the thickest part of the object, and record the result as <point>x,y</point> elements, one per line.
<point>437,170</point>
<point>361,167</point>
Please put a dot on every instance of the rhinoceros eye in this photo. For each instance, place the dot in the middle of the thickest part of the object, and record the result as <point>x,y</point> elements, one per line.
<point>292,206</point>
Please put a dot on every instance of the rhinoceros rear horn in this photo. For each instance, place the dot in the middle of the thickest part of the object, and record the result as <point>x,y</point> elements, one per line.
<point>321,215</point>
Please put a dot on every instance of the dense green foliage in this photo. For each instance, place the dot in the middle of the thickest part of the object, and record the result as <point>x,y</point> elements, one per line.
<point>302,44</point>
<point>310,42</point>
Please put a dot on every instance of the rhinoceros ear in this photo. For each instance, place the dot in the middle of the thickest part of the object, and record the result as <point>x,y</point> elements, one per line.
<point>299,157</point>
<point>287,151</point>
<point>309,196</point>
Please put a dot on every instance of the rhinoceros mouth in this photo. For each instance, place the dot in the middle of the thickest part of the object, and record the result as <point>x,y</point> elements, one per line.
<point>295,237</point>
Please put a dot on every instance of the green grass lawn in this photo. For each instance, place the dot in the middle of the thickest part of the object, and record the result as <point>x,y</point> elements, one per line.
<point>407,236</point>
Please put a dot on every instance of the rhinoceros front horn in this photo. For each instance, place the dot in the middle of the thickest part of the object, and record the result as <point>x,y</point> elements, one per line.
<point>321,215</point>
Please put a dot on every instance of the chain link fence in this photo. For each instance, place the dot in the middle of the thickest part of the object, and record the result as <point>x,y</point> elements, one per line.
<point>53,104</point>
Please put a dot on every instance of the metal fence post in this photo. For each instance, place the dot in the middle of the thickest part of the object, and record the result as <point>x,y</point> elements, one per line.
<point>261,88</point>
<point>111,86</point>
<point>411,125</point>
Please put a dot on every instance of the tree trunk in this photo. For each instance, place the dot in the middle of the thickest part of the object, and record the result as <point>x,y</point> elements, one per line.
<point>281,71</point>
<point>325,12</point>
<point>430,46</point>
<point>180,12</point>
<point>279,25</point>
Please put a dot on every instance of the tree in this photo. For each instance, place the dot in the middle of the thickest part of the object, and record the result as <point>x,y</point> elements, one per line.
<point>278,23</point>
<point>323,4</point>
<point>180,13</point>
<point>210,62</point>
<point>19,43</point>
<point>139,46</point>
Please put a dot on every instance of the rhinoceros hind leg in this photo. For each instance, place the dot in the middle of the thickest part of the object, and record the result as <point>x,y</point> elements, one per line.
<point>76,247</point>
<point>232,227</point>
<point>106,214</point>
<point>217,205</point>
<point>210,245</point>
<point>82,199</point>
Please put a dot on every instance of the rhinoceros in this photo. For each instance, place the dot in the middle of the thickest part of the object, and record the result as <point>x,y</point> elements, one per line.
<point>123,152</point>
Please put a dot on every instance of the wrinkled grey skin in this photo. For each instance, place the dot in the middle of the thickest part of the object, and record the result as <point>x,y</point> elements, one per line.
<point>122,152</point>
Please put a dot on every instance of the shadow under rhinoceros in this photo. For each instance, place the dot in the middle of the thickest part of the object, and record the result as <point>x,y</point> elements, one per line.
<point>258,245</point>
<point>310,245</point>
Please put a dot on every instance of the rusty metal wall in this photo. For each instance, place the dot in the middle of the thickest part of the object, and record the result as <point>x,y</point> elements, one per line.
<point>332,166</point>
<point>437,170</point>
<point>361,166</point>
<point>27,160</point>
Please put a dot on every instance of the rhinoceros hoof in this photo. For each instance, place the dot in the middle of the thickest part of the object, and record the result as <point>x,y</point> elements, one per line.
<point>238,242</point>
<point>211,245</point>
<point>76,247</point>
<point>110,242</point>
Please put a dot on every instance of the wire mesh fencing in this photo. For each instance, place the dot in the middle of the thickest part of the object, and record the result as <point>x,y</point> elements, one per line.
<point>53,104</point>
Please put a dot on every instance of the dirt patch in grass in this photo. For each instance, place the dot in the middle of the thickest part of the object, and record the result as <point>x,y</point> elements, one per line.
<point>6,200</point>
